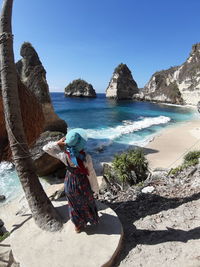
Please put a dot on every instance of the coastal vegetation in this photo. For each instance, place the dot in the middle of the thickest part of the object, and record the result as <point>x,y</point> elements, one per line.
<point>4,236</point>
<point>190,159</point>
<point>131,166</point>
<point>127,169</point>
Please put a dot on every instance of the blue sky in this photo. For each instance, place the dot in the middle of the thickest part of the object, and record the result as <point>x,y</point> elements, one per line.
<point>88,38</point>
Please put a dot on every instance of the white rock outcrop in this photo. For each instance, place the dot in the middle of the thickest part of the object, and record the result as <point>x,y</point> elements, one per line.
<point>177,85</point>
<point>122,84</point>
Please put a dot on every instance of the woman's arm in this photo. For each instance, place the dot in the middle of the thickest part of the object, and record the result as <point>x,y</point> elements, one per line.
<point>55,150</point>
<point>92,175</point>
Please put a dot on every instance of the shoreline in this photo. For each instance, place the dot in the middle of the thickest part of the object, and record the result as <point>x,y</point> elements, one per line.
<point>163,150</point>
<point>168,148</point>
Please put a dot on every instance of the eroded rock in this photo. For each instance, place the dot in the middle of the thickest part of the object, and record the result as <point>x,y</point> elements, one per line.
<point>176,85</point>
<point>80,88</point>
<point>46,164</point>
<point>122,85</point>
<point>33,75</point>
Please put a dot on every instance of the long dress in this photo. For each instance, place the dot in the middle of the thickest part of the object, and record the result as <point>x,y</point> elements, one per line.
<point>79,187</point>
<point>82,208</point>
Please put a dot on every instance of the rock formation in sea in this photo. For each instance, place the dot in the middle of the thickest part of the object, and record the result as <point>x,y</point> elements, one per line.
<point>33,75</point>
<point>122,85</point>
<point>80,88</point>
<point>176,85</point>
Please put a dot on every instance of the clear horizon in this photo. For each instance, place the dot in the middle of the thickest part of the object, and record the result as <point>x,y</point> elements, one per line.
<point>88,39</point>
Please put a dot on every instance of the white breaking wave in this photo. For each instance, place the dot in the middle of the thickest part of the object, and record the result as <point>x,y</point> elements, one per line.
<point>127,127</point>
<point>5,166</point>
<point>9,182</point>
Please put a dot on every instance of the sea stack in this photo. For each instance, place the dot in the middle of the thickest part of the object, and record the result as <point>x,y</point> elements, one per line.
<point>33,75</point>
<point>122,85</point>
<point>80,88</point>
<point>176,85</point>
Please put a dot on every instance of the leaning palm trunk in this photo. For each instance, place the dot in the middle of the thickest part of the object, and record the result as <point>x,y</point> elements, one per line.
<point>43,211</point>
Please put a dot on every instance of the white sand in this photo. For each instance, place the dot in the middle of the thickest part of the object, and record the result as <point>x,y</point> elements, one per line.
<point>168,149</point>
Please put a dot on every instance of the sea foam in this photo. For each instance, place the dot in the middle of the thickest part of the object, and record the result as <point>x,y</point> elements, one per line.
<point>9,181</point>
<point>127,127</point>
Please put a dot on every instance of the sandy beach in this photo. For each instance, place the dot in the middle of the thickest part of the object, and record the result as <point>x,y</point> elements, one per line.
<point>168,148</point>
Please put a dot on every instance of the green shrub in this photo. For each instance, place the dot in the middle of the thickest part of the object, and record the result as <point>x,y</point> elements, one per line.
<point>4,236</point>
<point>131,166</point>
<point>175,171</point>
<point>192,156</point>
<point>190,159</point>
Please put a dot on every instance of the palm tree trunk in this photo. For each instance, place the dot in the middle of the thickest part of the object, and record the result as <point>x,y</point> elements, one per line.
<point>42,209</point>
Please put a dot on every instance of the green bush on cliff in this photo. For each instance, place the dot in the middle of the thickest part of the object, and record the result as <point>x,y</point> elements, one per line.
<point>131,167</point>
<point>4,236</point>
<point>192,156</point>
<point>190,159</point>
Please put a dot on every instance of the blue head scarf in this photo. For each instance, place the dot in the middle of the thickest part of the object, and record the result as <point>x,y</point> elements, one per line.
<point>76,140</point>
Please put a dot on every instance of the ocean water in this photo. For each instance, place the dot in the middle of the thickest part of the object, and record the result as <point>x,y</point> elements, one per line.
<point>112,126</point>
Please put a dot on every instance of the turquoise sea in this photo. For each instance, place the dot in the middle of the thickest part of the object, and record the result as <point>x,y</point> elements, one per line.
<point>112,126</point>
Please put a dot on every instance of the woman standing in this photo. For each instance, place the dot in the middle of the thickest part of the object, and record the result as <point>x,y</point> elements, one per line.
<point>80,180</point>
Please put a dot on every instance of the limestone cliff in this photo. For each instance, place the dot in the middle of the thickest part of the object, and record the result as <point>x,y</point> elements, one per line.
<point>80,88</point>
<point>33,75</point>
<point>177,85</point>
<point>122,84</point>
<point>32,116</point>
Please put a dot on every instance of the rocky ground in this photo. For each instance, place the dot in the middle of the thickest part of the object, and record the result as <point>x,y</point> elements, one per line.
<point>161,228</point>
<point>160,218</point>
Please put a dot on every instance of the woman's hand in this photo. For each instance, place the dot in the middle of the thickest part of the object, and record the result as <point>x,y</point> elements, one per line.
<point>61,142</point>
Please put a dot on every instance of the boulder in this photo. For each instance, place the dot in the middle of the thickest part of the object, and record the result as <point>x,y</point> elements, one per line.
<point>176,85</point>
<point>46,164</point>
<point>80,88</point>
<point>33,75</point>
<point>2,198</point>
<point>122,85</point>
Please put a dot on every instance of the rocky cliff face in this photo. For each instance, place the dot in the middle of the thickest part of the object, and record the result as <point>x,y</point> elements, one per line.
<point>33,75</point>
<point>122,84</point>
<point>80,88</point>
<point>32,116</point>
<point>177,85</point>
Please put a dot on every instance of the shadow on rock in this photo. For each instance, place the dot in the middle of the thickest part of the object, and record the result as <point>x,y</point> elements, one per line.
<point>149,204</point>
<point>64,212</point>
<point>108,225</point>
